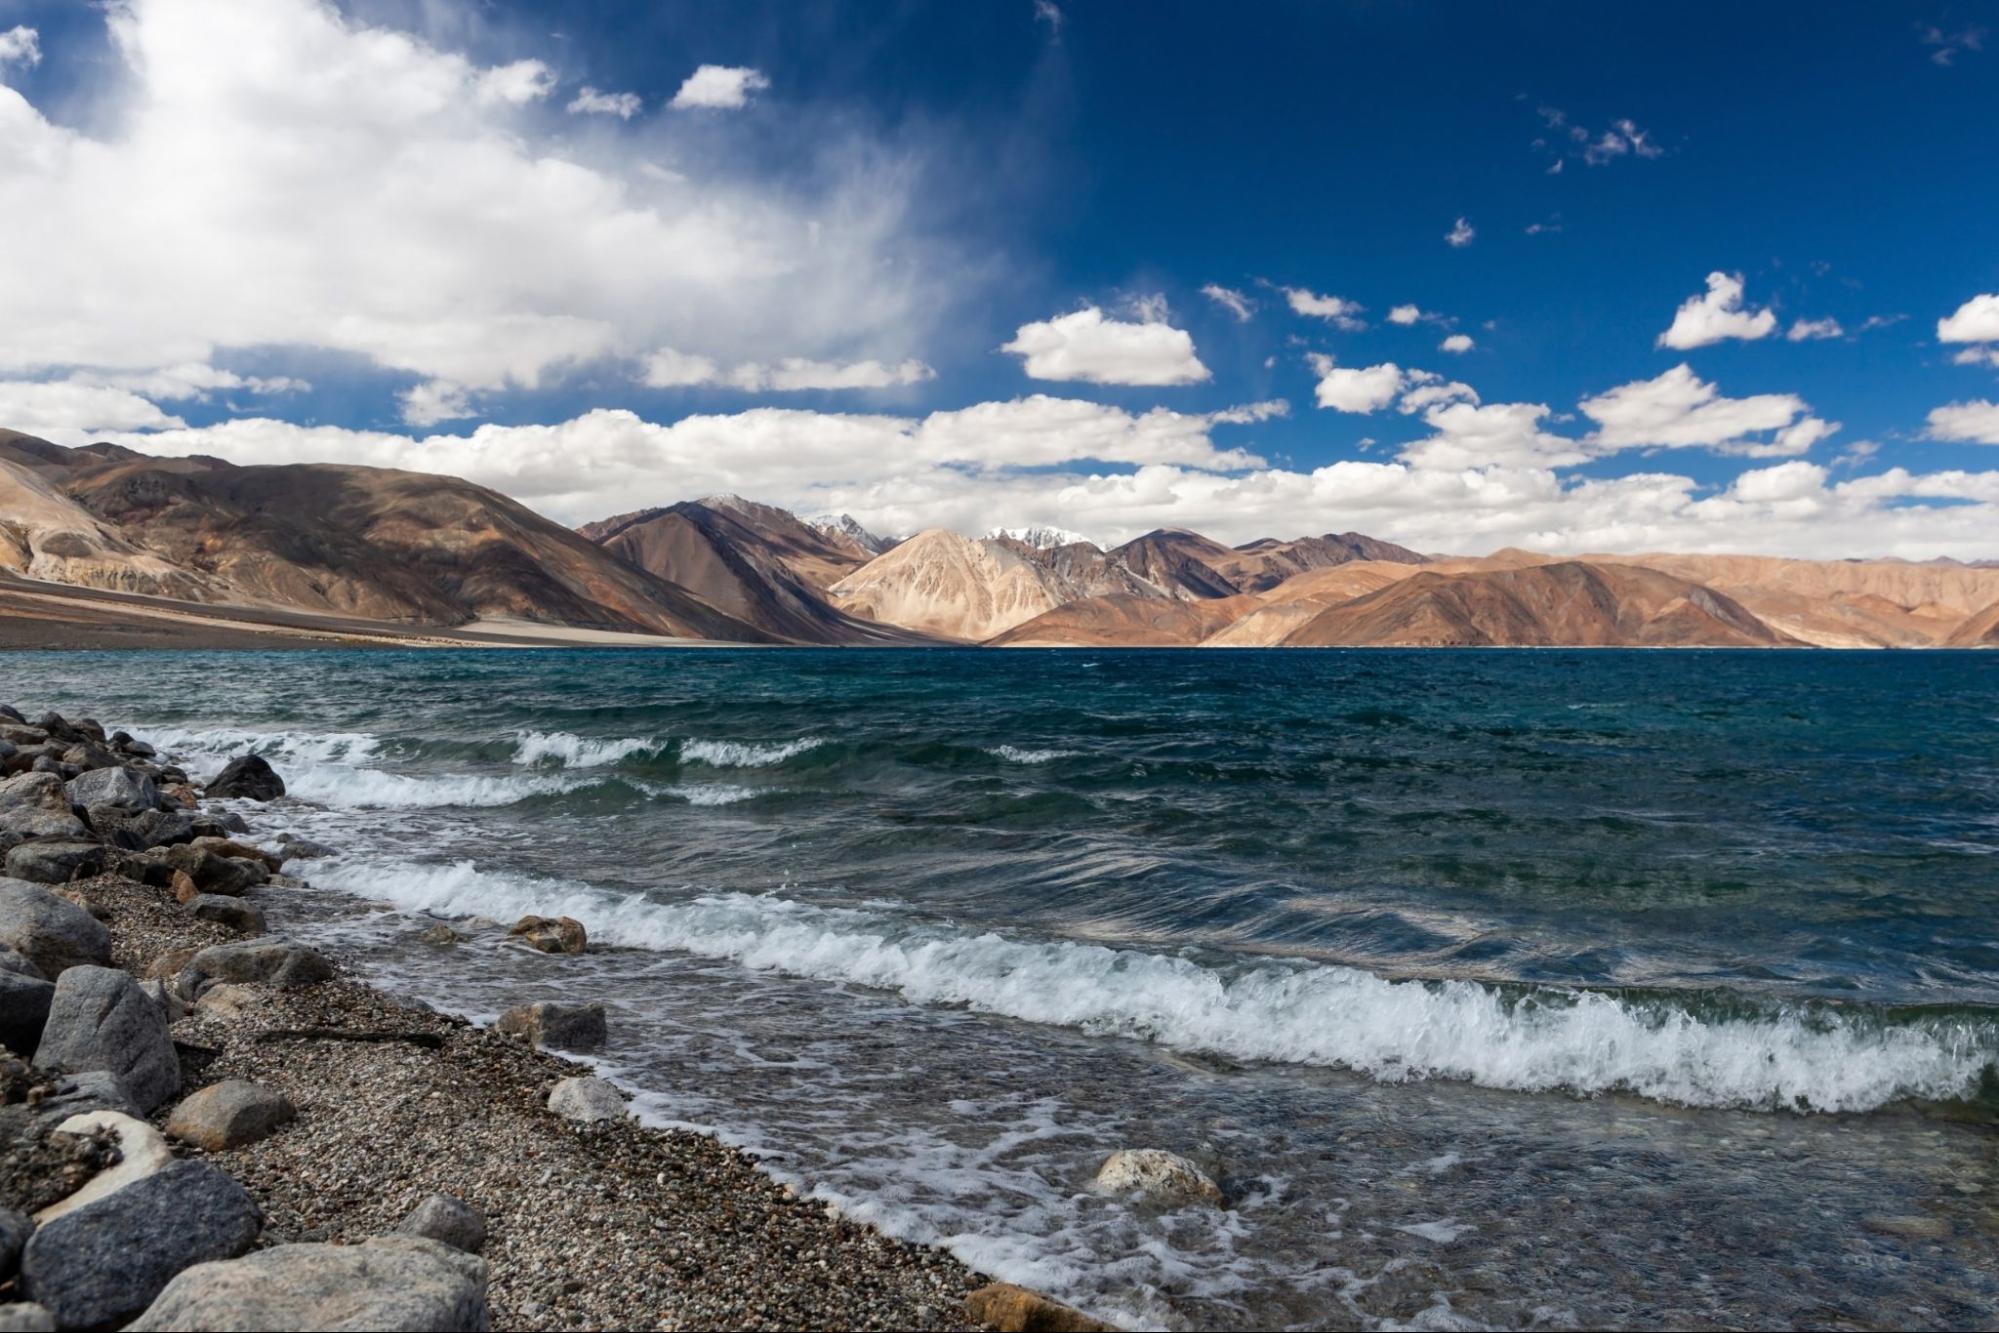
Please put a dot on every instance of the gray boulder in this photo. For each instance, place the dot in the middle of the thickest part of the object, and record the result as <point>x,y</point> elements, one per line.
<point>26,1317</point>
<point>24,1010</point>
<point>1157,1176</point>
<point>233,913</point>
<point>141,829</point>
<point>81,1094</point>
<point>448,1221</point>
<point>50,932</point>
<point>15,1228</point>
<point>57,862</point>
<point>587,1099</point>
<point>36,805</point>
<point>302,849</point>
<point>230,1114</point>
<point>100,1019</point>
<point>563,934</point>
<point>116,785</point>
<point>215,874</point>
<point>104,1263</point>
<point>400,1282</point>
<point>566,1027</point>
<point>12,961</point>
<point>249,777</point>
<point>269,959</point>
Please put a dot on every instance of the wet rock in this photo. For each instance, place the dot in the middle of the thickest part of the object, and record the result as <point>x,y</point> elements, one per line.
<point>233,850</point>
<point>558,935</point>
<point>565,1027</point>
<point>587,1099</point>
<point>440,935</point>
<point>142,829</point>
<point>403,1282</point>
<point>168,1000</point>
<point>57,862</point>
<point>181,794</point>
<point>26,1317</point>
<point>100,1019</point>
<point>1005,1308</point>
<point>142,1150</point>
<point>105,1262</point>
<point>24,1010</point>
<point>15,1228</point>
<point>50,932</point>
<point>274,961</point>
<point>230,1114</point>
<point>247,777</point>
<point>233,913</point>
<point>302,849</point>
<point>36,805</point>
<point>114,785</point>
<point>216,874</point>
<point>1159,1176</point>
<point>447,1221</point>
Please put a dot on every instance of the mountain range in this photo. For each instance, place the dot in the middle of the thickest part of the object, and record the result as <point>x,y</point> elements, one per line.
<point>419,550</point>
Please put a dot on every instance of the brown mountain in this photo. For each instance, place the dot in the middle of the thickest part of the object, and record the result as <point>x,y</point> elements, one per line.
<point>1291,604</point>
<point>1179,563</point>
<point>1552,605</point>
<point>373,543</point>
<point>1126,621</point>
<point>1978,631</point>
<point>723,556</point>
<point>1259,566</point>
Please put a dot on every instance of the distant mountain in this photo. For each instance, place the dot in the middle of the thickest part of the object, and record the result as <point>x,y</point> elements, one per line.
<point>1041,539</point>
<point>940,583</point>
<point>1288,607</point>
<point>1568,603</point>
<point>1259,566</point>
<point>847,530</point>
<point>724,554</point>
<point>1180,563</point>
<point>1122,620</point>
<point>44,534</point>
<point>1978,631</point>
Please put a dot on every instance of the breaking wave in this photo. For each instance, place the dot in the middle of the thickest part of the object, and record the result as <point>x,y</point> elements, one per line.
<point>744,754</point>
<point>572,751</point>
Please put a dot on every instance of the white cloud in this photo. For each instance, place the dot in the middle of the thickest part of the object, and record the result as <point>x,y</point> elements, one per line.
<point>1456,343</point>
<point>1046,11</point>
<point>1335,310</point>
<point>590,102</point>
<point>1228,298</point>
<point>1976,321</point>
<point>1718,314</point>
<point>719,88</point>
<point>74,411</point>
<point>360,192</point>
<point>1679,410</point>
<point>1975,422</point>
<point>1084,345</point>
<point>1461,234</point>
<point>20,45</point>
<point>1811,330</point>
<point>517,84</point>
<point>1566,140</point>
<point>433,401</point>
<point>1427,389</point>
<point>1471,435</point>
<point>1985,355</point>
<point>1405,315</point>
<point>669,369</point>
<point>1949,45</point>
<point>1356,389</point>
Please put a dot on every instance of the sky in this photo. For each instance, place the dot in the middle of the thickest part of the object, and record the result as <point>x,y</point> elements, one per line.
<point>1571,277</point>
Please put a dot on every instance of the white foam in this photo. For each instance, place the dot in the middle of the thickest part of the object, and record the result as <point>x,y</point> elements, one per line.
<point>744,754</point>
<point>573,751</point>
<point>1013,754</point>
<point>719,794</point>
<point>216,746</point>
<point>1579,1041</point>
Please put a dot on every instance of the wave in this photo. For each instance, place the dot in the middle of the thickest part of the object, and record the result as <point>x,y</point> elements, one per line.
<point>216,746</point>
<point>572,751</point>
<point>1013,754</point>
<point>1779,1057</point>
<point>744,754</point>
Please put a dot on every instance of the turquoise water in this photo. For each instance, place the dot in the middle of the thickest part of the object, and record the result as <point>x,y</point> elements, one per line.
<point>937,929</point>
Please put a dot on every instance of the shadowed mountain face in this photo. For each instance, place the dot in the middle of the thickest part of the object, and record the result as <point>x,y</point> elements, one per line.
<point>728,558</point>
<point>1568,603</point>
<point>1180,563</point>
<point>1124,621</point>
<point>405,547</point>
<point>1979,631</point>
<point>1259,566</point>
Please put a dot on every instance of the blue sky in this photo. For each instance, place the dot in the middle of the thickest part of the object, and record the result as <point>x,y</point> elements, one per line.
<point>533,246</point>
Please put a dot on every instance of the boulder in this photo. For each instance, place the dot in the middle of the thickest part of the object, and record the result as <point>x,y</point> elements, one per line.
<point>1005,1308</point>
<point>36,805</point>
<point>247,777</point>
<point>216,874</point>
<point>269,959</point>
<point>79,1094</point>
<point>57,862</point>
<point>447,1221</point>
<point>169,1001</point>
<point>587,1099</point>
<point>563,934</point>
<point>233,913</point>
<point>235,850</point>
<point>179,793</point>
<point>142,1150</point>
<point>15,1228</point>
<point>24,1010</point>
<point>100,1019</point>
<point>230,1114</point>
<point>1158,1176</point>
<point>116,785</point>
<point>104,1263</point>
<point>441,936</point>
<point>401,1282</point>
<point>228,1001</point>
<point>50,932</point>
<point>302,849</point>
<point>566,1027</point>
<point>12,961</point>
<point>184,888</point>
<point>143,829</point>
<point>26,1317</point>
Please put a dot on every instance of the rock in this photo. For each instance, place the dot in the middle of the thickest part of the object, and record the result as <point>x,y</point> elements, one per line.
<point>1910,1227</point>
<point>100,1019</point>
<point>79,1094</point>
<point>566,1027</point>
<point>184,887</point>
<point>50,932</point>
<point>230,1114</point>
<point>114,785</point>
<point>11,961</point>
<point>36,805</point>
<point>171,963</point>
<point>169,1001</point>
<point>180,793</point>
<point>24,1010</point>
<point>57,862</point>
<point>447,1221</point>
<point>15,1228</point>
<point>1005,1308</point>
<point>440,935</point>
<point>1157,1175</point>
<point>228,1001</point>
<point>561,935</point>
<point>146,828</point>
<point>248,777</point>
<point>231,849</point>
<point>142,1150</point>
<point>104,1263</point>
<point>26,1317</point>
<point>302,849</point>
<point>401,1282</point>
<point>587,1099</point>
<point>216,874</point>
<point>269,959</point>
<point>233,913</point>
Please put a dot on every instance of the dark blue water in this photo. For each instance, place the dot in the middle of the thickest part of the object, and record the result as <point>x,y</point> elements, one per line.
<point>1252,900</point>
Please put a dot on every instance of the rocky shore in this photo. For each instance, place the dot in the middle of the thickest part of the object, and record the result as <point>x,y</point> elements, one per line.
<point>207,1126</point>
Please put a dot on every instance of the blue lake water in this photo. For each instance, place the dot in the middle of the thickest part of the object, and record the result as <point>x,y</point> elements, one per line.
<point>1510,988</point>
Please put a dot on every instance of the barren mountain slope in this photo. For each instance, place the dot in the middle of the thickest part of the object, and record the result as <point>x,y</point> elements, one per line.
<point>1292,603</point>
<point>1260,566</point>
<point>46,535</point>
<point>1125,621</point>
<point>1180,563</point>
<point>940,583</point>
<point>1977,631</point>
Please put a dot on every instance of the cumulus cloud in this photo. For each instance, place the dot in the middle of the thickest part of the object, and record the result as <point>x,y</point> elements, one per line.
<point>1812,330</point>
<point>1405,314</point>
<point>1679,410</point>
<point>590,102</point>
<point>1086,345</point>
<point>1230,299</point>
<point>433,401</point>
<point>75,411</point>
<point>720,88</point>
<point>1356,388</point>
<point>1456,343</point>
<point>1461,234</point>
<point>361,192</point>
<point>1965,423</point>
<point>20,45</point>
<point>1335,310</point>
<point>1716,315</point>
<point>667,369</point>
<point>1976,321</point>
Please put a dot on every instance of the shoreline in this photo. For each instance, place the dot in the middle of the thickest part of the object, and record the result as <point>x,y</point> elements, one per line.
<point>604,1223</point>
